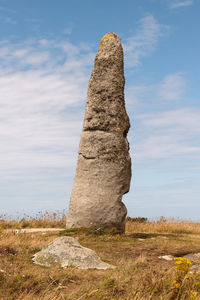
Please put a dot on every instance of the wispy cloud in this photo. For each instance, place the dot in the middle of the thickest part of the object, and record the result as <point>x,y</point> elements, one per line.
<point>135,93</point>
<point>173,87</point>
<point>168,135</point>
<point>3,8</point>
<point>8,20</point>
<point>7,15</point>
<point>144,41</point>
<point>180,3</point>
<point>43,86</point>
<point>39,127</point>
<point>41,82</point>
<point>164,135</point>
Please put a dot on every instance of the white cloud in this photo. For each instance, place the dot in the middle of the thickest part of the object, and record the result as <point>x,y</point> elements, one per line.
<point>40,88</point>
<point>168,135</point>
<point>180,3</point>
<point>43,85</point>
<point>134,94</point>
<point>144,41</point>
<point>173,87</point>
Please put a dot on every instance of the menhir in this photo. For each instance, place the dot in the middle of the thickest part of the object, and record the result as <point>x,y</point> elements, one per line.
<point>104,166</point>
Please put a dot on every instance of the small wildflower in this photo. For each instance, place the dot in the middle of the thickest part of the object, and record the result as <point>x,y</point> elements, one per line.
<point>197,284</point>
<point>193,295</point>
<point>182,271</point>
<point>182,265</point>
<point>176,284</point>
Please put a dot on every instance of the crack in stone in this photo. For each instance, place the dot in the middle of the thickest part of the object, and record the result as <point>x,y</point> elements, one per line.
<point>87,157</point>
<point>95,129</point>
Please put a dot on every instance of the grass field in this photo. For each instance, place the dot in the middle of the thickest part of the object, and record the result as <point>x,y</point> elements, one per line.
<point>140,274</point>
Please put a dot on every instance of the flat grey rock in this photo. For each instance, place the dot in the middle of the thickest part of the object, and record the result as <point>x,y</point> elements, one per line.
<point>103,170</point>
<point>193,257</point>
<point>67,252</point>
<point>195,260</point>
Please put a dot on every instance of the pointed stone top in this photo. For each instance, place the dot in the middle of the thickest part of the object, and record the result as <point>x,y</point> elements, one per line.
<point>107,37</point>
<point>109,44</point>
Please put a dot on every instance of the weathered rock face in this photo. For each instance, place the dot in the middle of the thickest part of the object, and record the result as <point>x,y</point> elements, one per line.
<point>67,252</point>
<point>104,167</point>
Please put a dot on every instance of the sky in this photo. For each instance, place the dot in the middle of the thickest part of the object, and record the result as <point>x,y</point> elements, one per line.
<point>47,51</point>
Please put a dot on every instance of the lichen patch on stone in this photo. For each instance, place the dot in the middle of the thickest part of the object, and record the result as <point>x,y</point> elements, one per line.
<point>106,37</point>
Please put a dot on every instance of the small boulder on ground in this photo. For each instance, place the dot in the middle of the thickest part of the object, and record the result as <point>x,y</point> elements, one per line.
<point>193,257</point>
<point>66,251</point>
<point>195,260</point>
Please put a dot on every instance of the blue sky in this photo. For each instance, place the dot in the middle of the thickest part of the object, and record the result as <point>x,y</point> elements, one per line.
<point>47,49</point>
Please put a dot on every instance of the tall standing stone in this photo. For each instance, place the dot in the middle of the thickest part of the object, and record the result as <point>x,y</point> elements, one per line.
<point>104,166</point>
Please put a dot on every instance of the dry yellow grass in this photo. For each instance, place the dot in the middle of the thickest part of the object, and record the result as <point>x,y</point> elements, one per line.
<point>139,275</point>
<point>42,219</point>
<point>163,226</point>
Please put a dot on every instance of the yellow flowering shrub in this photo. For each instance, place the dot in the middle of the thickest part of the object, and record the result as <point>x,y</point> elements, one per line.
<point>193,295</point>
<point>182,267</point>
<point>186,279</point>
